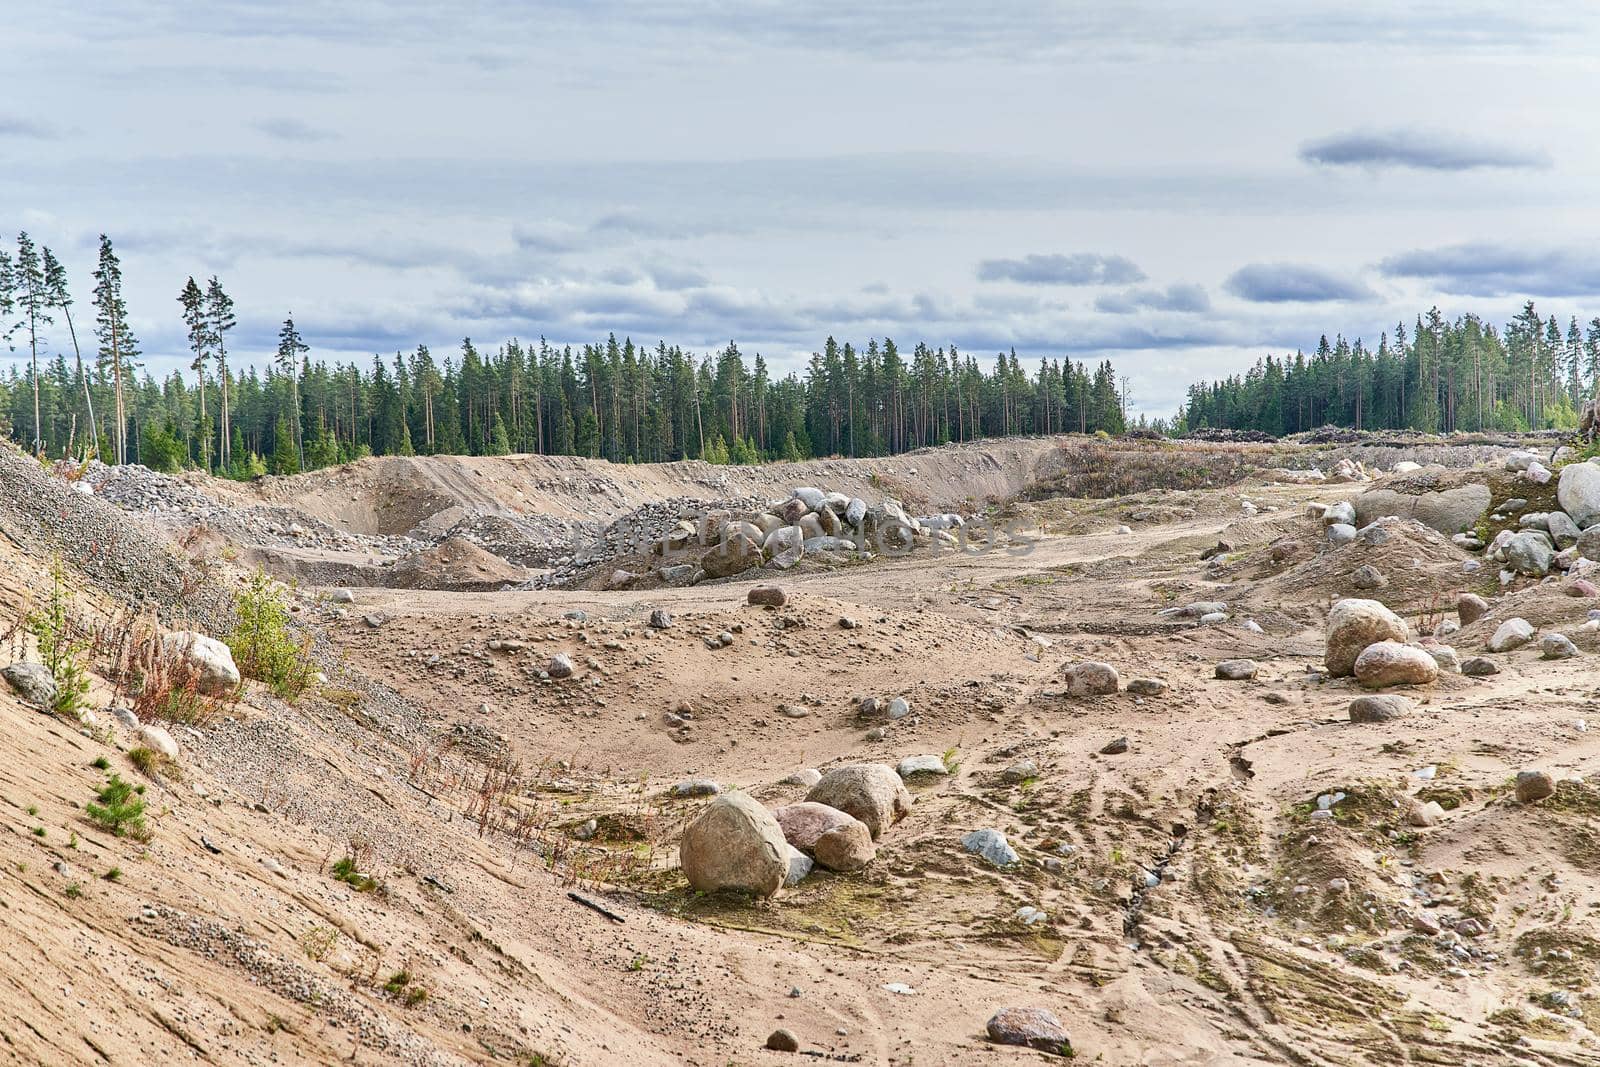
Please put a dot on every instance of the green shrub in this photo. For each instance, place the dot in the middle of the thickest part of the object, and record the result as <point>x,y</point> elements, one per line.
<point>263,645</point>
<point>119,807</point>
<point>62,648</point>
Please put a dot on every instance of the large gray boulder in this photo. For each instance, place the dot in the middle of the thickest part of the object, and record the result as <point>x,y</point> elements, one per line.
<point>871,792</point>
<point>1450,511</point>
<point>1530,552</point>
<point>1513,633</point>
<point>210,661</point>
<point>33,682</point>
<point>735,843</point>
<point>1353,625</point>
<point>1579,493</point>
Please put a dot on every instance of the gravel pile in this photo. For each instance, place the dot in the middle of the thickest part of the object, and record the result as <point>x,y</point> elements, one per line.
<point>46,515</point>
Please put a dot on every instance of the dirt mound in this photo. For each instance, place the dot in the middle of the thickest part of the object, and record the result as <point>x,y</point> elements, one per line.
<point>454,563</point>
<point>1401,562</point>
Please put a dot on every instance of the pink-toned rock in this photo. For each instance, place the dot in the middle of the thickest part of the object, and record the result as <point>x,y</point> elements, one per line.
<point>838,841</point>
<point>1387,663</point>
<point>1470,607</point>
<point>1091,678</point>
<point>870,792</point>
<point>1581,587</point>
<point>1353,625</point>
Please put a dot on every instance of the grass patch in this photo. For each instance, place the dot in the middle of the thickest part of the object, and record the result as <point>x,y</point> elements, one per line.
<point>119,807</point>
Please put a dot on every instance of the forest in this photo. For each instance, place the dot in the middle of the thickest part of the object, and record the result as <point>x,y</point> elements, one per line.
<point>1437,377</point>
<point>611,399</point>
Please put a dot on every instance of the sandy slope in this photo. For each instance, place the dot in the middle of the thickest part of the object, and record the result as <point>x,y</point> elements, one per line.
<point>215,956</point>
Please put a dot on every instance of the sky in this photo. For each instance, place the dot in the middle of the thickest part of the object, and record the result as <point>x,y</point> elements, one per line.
<point>1179,188</point>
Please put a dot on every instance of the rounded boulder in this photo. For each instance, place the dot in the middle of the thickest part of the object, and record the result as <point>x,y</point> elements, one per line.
<point>835,839</point>
<point>870,792</point>
<point>1353,625</point>
<point>1387,663</point>
<point>735,843</point>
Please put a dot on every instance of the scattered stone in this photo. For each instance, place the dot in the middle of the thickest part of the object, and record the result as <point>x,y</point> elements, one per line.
<point>783,1041</point>
<point>343,596</point>
<point>157,739</point>
<point>1581,587</point>
<point>1470,607</point>
<point>1479,667</point>
<point>1033,1028</point>
<point>560,666</point>
<point>660,619</point>
<point>735,843</point>
<point>1379,708</point>
<point>1115,748</point>
<point>1425,814</point>
<point>912,766</point>
<point>1513,633</point>
<point>33,682</point>
<point>1534,785</point>
<point>697,787</point>
<point>767,596</point>
<point>807,776</point>
<point>870,792</point>
<point>1557,646</point>
<point>1237,670</point>
<point>1146,687</point>
<point>210,661</point>
<point>1529,553</point>
<point>1341,533</point>
<point>1091,678</point>
<point>1387,663</point>
<point>800,866</point>
<point>1367,576</point>
<point>1021,771</point>
<point>1578,492</point>
<point>1352,626</point>
<point>992,846</point>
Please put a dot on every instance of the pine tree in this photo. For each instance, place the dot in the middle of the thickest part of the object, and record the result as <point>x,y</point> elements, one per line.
<point>33,301</point>
<point>192,301</point>
<point>119,349</point>
<point>291,349</point>
<point>55,280</point>
<point>219,320</point>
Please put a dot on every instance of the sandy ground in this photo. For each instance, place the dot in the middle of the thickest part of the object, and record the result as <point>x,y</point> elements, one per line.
<point>1194,916</point>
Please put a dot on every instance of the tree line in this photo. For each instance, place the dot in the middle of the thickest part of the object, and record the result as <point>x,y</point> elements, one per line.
<point>611,399</point>
<point>1437,376</point>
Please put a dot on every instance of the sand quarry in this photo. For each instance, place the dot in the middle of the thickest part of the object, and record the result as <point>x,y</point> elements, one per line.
<point>1206,871</point>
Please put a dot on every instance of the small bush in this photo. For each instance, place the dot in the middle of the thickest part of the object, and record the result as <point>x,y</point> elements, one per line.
<point>101,764</point>
<point>119,807</point>
<point>62,647</point>
<point>147,761</point>
<point>263,645</point>
<point>346,871</point>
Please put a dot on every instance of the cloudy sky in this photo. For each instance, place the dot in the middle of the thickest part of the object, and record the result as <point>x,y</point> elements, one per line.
<point>1178,187</point>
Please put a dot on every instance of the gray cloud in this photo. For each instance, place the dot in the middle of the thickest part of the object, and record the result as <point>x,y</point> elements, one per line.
<point>1079,268</point>
<point>1500,270</point>
<point>1278,283</point>
<point>1416,150</point>
<point>1190,299</point>
<point>27,129</point>
<point>284,128</point>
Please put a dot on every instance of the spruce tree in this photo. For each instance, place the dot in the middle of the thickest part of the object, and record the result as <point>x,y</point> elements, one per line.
<point>291,349</point>
<point>192,301</point>
<point>33,301</point>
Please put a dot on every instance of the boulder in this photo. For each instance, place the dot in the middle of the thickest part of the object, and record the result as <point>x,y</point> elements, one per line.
<point>33,682</point>
<point>1557,646</point>
<point>814,499</point>
<point>157,739</point>
<point>1578,492</point>
<point>871,792</point>
<point>767,596</point>
<point>992,846</point>
<point>1530,553</point>
<point>1534,785</point>
<point>1470,607</point>
<point>1091,678</point>
<point>1353,625</point>
<point>1379,708</point>
<point>1367,576</point>
<point>733,556</point>
<point>1563,531</point>
<point>209,660</point>
<point>1450,511</point>
<point>783,1041</point>
<point>1237,670</point>
<point>838,841</point>
<point>1341,533</point>
<point>660,619</point>
<point>735,843</point>
<point>1513,633</point>
<point>1479,667</point>
<point>1033,1028</point>
<point>782,539</point>
<point>1343,512</point>
<point>1386,663</point>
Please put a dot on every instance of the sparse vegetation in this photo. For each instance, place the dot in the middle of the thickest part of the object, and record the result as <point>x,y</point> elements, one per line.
<point>119,807</point>
<point>63,647</point>
<point>264,647</point>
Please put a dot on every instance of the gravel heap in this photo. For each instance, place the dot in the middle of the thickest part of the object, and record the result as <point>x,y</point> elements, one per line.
<point>46,515</point>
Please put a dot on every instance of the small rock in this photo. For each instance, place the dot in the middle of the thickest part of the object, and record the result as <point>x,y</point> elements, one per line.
<point>1091,678</point>
<point>560,666</point>
<point>992,846</point>
<point>1479,667</point>
<point>1534,785</point>
<point>1237,670</point>
<point>33,682</point>
<point>660,619</point>
<point>767,596</point>
<point>1379,708</point>
<point>1557,646</point>
<point>1146,687</point>
<point>1513,633</point>
<point>1034,1028</point>
<point>1115,748</point>
<point>1367,576</point>
<point>696,787</point>
<point>912,766</point>
<point>783,1041</point>
<point>1470,607</point>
